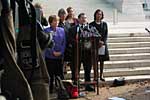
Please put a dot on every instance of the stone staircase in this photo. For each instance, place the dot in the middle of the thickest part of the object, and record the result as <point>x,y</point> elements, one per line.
<point>129,57</point>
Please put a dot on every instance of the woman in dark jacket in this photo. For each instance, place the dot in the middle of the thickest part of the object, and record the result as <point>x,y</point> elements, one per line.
<point>101,26</point>
<point>66,25</point>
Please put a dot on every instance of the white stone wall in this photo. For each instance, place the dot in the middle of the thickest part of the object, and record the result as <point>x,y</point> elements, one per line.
<point>117,4</point>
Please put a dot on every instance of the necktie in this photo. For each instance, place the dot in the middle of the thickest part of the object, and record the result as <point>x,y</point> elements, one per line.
<point>82,26</point>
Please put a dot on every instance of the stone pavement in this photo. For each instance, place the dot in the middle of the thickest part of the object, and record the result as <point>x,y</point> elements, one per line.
<point>135,91</point>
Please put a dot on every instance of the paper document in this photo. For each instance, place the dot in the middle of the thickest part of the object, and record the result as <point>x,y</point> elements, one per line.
<point>101,50</point>
<point>116,98</point>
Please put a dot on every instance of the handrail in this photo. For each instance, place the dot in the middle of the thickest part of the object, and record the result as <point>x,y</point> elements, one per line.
<point>147,30</point>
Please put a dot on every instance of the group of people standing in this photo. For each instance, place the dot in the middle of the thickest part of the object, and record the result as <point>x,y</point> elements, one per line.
<point>26,78</point>
<point>65,30</point>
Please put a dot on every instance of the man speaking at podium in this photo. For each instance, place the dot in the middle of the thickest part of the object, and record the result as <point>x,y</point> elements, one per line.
<point>81,47</point>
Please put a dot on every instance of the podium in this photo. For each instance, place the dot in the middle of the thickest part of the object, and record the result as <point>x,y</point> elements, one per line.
<point>88,39</point>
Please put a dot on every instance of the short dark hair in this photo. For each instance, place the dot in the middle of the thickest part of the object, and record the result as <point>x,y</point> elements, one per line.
<point>51,18</point>
<point>61,12</point>
<point>98,10</point>
<point>68,9</point>
<point>81,14</point>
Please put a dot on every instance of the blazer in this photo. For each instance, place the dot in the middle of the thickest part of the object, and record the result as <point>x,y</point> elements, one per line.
<point>59,41</point>
<point>103,31</point>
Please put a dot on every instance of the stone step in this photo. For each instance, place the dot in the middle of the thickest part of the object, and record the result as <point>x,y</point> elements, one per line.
<point>129,25</point>
<point>121,72</point>
<point>128,39</point>
<point>127,64</point>
<point>129,34</point>
<point>133,9</point>
<point>129,50</point>
<point>138,56</point>
<point>126,72</point>
<point>128,79</point>
<point>123,64</point>
<point>128,29</point>
<point>128,45</point>
<point>132,2</point>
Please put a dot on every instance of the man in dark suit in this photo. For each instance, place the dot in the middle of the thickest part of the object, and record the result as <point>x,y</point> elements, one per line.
<point>79,53</point>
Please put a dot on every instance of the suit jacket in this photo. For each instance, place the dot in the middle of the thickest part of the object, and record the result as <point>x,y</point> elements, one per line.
<point>103,31</point>
<point>83,53</point>
<point>72,34</point>
<point>66,25</point>
<point>88,31</point>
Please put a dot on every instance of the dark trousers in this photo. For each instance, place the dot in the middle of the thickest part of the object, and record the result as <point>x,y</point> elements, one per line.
<point>55,68</point>
<point>87,65</point>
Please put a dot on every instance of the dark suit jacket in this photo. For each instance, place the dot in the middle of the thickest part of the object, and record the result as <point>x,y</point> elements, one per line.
<point>103,31</point>
<point>72,34</point>
<point>84,54</point>
<point>66,26</point>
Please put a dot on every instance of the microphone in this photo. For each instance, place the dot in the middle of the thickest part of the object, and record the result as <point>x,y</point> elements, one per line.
<point>86,28</point>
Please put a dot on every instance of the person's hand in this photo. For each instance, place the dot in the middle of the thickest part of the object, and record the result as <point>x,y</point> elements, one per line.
<point>56,54</point>
<point>101,43</point>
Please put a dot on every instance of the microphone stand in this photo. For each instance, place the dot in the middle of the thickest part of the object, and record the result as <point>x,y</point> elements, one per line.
<point>77,60</point>
<point>95,61</point>
<point>93,38</point>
